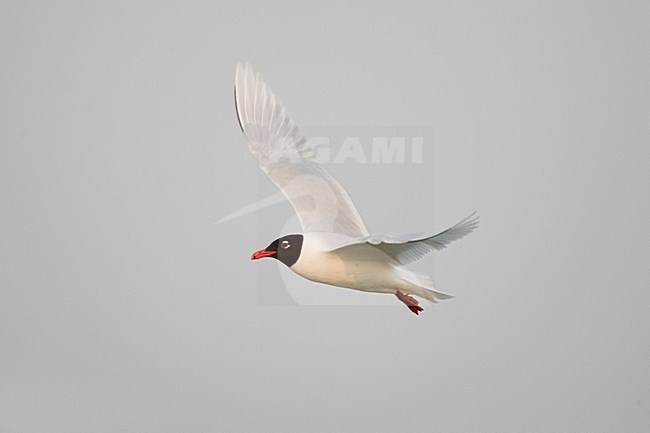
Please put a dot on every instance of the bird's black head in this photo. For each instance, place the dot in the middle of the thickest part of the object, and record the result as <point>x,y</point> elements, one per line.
<point>286,249</point>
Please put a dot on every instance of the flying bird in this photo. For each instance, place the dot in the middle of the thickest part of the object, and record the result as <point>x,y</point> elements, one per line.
<point>335,247</point>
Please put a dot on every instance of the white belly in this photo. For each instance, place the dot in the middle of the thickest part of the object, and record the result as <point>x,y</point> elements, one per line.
<point>370,272</point>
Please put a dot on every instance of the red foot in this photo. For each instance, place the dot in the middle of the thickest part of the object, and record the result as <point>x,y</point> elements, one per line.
<point>410,302</point>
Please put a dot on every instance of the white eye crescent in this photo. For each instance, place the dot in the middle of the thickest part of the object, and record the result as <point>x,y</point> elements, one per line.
<point>285,244</point>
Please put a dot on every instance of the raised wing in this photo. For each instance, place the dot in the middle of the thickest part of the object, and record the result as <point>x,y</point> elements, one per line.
<point>407,248</point>
<point>282,153</point>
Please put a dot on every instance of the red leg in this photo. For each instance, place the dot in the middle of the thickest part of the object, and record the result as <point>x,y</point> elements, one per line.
<point>410,302</point>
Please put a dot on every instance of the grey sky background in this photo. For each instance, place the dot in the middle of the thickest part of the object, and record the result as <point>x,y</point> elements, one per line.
<point>123,308</point>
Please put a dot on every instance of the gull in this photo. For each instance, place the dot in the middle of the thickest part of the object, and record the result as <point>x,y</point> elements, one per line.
<point>334,247</point>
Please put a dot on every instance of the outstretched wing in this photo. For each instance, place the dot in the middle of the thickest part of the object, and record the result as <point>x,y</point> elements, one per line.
<point>282,153</point>
<point>407,248</point>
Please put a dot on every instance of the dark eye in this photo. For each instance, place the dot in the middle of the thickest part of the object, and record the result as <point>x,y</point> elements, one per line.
<point>285,245</point>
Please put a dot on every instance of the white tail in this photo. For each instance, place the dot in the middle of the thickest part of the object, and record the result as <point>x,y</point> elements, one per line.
<point>420,285</point>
